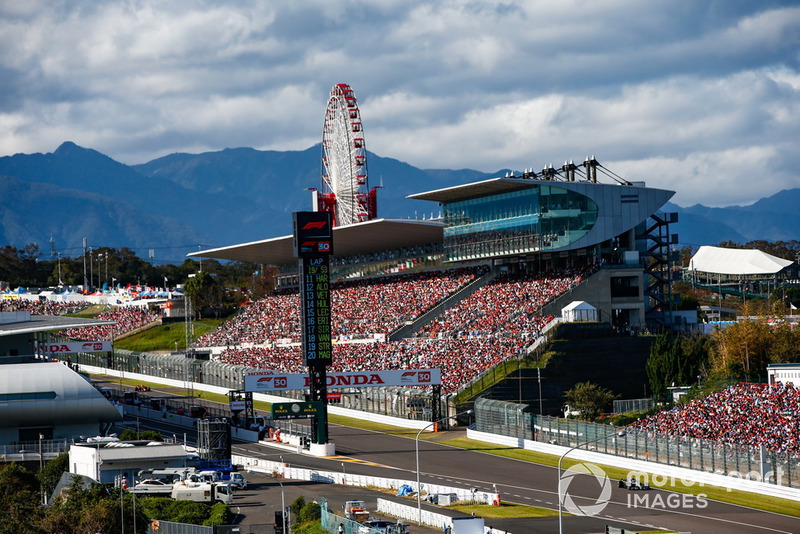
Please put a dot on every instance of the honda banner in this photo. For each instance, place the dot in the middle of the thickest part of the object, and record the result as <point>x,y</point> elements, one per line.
<point>73,346</point>
<point>269,381</point>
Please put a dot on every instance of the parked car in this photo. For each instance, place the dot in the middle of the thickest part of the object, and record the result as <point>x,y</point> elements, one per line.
<point>238,481</point>
<point>376,525</point>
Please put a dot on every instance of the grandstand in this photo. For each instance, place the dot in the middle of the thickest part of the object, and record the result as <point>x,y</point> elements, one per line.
<point>471,289</point>
<point>462,293</point>
<point>756,415</point>
<point>126,320</point>
<point>490,331</point>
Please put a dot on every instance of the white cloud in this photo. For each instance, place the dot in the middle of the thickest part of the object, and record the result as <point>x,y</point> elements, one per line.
<point>732,177</point>
<point>680,92</point>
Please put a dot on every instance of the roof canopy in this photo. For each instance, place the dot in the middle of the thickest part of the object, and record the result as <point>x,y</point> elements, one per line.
<point>47,394</point>
<point>736,261</point>
<point>27,323</point>
<point>360,238</point>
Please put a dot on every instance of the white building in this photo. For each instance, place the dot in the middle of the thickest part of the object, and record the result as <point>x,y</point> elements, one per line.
<point>104,461</point>
<point>785,373</point>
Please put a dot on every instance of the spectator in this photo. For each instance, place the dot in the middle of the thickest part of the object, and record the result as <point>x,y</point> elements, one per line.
<point>744,414</point>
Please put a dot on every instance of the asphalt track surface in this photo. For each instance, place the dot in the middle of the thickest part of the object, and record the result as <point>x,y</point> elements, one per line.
<point>536,485</point>
<point>374,453</point>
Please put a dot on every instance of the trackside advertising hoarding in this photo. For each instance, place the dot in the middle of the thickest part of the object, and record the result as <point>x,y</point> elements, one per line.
<point>73,347</point>
<point>268,381</point>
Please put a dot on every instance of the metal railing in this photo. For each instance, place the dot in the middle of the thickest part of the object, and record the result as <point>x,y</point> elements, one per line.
<point>756,463</point>
<point>29,450</point>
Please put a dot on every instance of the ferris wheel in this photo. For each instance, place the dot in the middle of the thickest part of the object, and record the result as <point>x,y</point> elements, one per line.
<point>345,190</point>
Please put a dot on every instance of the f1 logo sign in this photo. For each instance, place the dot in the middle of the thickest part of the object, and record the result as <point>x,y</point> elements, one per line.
<point>281,382</point>
<point>424,376</point>
<point>92,346</point>
<point>315,224</point>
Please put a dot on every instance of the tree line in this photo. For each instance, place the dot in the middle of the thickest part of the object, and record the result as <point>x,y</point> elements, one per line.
<point>738,352</point>
<point>91,507</point>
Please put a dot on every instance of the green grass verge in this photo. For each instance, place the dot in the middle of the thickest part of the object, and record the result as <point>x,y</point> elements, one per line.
<point>742,498</point>
<point>90,312</point>
<point>504,511</point>
<point>165,337</point>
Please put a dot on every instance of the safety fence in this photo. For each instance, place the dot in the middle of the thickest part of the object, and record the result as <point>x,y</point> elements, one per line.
<point>337,524</point>
<point>171,527</point>
<point>742,461</point>
<point>632,405</point>
<point>403,402</point>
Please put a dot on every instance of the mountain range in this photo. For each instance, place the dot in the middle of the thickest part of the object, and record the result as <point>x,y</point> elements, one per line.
<point>178,203</point>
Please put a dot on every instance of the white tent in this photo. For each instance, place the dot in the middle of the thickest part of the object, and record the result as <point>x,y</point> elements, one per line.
<point>733,261</point>
<point>578,310</point>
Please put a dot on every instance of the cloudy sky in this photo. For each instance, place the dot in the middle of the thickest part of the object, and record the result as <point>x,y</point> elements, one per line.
<point>701,97</point>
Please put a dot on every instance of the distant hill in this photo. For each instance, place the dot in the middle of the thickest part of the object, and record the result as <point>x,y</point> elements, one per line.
<point>277,182</point>
<point>775,218</point>
<point>242,194</point>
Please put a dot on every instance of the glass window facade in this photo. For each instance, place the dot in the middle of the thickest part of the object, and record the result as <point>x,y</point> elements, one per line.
<point>541,218</point>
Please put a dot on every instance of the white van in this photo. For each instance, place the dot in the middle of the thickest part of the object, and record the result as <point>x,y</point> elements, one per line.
<point>205,477</point>
<point>236,480</point>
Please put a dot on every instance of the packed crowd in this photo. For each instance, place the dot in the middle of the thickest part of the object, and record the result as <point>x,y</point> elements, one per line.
<point>745,414</point>
<point>508,306</point>
<point>494,324</point>
<point>449,355</point>
<point>127,319</point>
<point>390,302</point>
<point>42,308</point>
<point>359,308</point>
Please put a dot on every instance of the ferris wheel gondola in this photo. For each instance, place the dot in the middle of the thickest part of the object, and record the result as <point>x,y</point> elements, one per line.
<point>345,188</point>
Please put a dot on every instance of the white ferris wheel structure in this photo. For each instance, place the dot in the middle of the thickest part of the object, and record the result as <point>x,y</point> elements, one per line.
<point>345,189</point>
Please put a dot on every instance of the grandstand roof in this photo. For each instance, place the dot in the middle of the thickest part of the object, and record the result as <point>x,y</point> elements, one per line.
<point>45,323</point>
<point>736,261</point>
<point>483,188</point>
<point>50,393</point>
<point>360,238</point>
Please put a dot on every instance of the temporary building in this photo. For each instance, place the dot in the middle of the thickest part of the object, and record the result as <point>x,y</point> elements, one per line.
<point>579,310</point>
<point>731,261</point>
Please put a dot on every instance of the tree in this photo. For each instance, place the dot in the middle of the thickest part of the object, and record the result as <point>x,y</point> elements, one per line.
<point>590,399</point>
<point>743,350</point>
<point>262,282</point>
<point>52,471</point>
<point>685,255</point>
<point>92,509</point>
<point>19,501</point>
<point>676,360</point>
<point>203,290</point>
<point>132,435</point>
